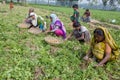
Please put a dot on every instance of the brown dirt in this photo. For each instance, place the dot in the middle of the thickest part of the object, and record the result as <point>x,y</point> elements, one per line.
<point>23,25</point>
<point>53,50</point>
<point>38,72</point>
<point>83,65</point>
<point>7,48</point>
<point>31,45</point>
<point>57,79</point>
<point>22,31</point>
<point>93,24</point>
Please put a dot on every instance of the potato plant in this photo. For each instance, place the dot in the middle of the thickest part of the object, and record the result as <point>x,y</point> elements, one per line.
<point>25,56</point>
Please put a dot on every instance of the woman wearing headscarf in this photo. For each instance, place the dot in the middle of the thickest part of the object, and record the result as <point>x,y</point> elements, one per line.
<point>57,26</point>
<point>37,21</point>
<point>103,47</point>
<point>28,19</point>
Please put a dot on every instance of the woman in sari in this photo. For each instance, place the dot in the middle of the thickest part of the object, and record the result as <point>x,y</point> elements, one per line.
<point>28,19</point>
<point>103,47</point>
<point>57,26</point>
<point>37,21</point>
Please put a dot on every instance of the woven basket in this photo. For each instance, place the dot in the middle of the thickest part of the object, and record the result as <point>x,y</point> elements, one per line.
<point>23,25</point>
<point>53,40</point>
<point>34,30</point>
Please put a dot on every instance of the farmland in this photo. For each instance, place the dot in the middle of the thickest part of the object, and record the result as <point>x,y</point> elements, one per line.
<point>24,56</point>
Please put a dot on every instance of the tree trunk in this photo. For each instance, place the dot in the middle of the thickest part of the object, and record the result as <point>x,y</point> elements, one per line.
<point>18,1</point>
<point>48,2</point>
<point>70,3</point>
<point>23,2</point>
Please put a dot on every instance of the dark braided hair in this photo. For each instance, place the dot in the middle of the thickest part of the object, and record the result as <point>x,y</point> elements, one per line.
<point>75,6</point>
<point>76,24</point>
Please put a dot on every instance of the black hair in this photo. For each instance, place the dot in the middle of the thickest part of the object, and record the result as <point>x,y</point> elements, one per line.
<point>76,24</point>
<point>75,6</point>
<point>46,16</point>
<point>87,9</point>
<point>99,32</point>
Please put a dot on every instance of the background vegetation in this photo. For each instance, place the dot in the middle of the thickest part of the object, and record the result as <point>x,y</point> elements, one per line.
<point>24,56</point>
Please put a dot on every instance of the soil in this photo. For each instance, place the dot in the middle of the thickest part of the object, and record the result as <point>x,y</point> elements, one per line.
<point>31,45</point>
<point>93,24</point>
<point>53,50</point>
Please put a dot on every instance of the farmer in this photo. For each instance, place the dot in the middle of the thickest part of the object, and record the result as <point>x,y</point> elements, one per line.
<point>37,21</point>
<point>75,17</point>
<point>86,16</point>
<point>103,47</point>
<point>81,33</point>
<point>11,5</point>
<point>28,19</point>
<point>57,26</point>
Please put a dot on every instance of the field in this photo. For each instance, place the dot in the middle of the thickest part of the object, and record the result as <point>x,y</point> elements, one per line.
<point>103,16</point>
<point>24,56</point>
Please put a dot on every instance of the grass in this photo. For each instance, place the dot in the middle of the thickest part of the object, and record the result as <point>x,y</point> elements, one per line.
<point>101,15</point>
<point>24,56</point>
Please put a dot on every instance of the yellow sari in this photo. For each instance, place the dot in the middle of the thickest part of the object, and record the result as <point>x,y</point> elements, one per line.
<point>98,49</point>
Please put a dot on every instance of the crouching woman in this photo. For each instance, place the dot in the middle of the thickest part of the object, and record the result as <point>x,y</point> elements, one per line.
<point>103,47</point>
<point>57,26</point>
<point>37,21</point>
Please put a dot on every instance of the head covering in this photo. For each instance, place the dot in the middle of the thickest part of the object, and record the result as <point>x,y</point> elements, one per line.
<point>109,40</point>
<point>32,14</point>
<point>54,18</point>
<point>34,21</point>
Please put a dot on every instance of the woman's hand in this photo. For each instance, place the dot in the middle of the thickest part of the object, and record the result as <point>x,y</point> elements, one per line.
<point>46,32</point>
<point>82,37</point>
<point>65,39</point>
<point>79,38</point>
<point>99,65</point>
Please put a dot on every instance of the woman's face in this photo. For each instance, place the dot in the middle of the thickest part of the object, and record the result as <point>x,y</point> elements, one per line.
<point>77,28</point>
<point>98,38</point>
<point>51,19</point>
<point>75,8</point>
<point>33,17</point>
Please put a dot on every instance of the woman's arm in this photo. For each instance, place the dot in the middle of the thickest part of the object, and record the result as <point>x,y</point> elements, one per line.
<point>69,36</point>
<point>88,54</point>
<point>47,31</point>
<point>107,55</point>
<point>82,37</point>
<point>56,27</point>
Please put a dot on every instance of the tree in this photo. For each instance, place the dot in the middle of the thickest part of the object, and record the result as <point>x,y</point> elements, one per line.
<point>95,1</point>
<point>70,2</point>
<point>18,1</point>
<point>24,2</point>
<point>48,2</point>
<point>112,2</point>
<point>118,1</point>
<point>105,2</point>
